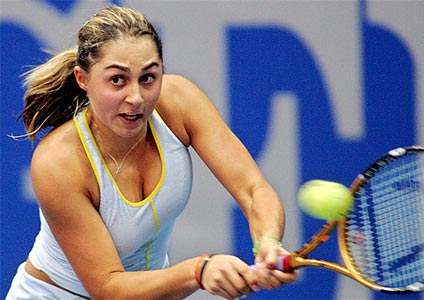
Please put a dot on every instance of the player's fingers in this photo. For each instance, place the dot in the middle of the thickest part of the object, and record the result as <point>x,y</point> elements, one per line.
<point>264,279</point>
<point>270,259</point>
<point>269,251</point>
<point>220,291</point>
<point>228,277</point>
<point>241,281</point>
<point>272,279</point>
<point>286,277</point>
<point>229,288</point>
<point>250,281</point>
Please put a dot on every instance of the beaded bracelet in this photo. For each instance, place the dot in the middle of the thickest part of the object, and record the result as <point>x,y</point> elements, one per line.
<point>257,246</point>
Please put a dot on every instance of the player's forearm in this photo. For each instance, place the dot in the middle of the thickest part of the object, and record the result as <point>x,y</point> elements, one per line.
<point>176,282</point>
<point>266,214</point>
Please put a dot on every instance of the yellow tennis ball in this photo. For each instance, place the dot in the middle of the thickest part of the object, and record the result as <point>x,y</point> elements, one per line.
<point>325,199</point>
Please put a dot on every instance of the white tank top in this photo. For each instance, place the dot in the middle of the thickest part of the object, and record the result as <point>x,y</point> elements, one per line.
<point>141,231</point>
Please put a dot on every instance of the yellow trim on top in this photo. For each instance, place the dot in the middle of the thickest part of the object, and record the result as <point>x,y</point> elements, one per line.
<point>84,144</point>
<point>149,243</point>
<point>162,159</point>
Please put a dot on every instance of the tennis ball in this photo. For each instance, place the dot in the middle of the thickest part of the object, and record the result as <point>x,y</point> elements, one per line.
<point>325,199</point>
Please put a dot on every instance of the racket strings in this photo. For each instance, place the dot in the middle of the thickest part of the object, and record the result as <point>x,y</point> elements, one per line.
<point>385,228</point>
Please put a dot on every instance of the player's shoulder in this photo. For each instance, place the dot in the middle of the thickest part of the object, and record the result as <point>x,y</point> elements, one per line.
<point>61,172</point>
<point>177,103</point>
<point>175,82</point>
<point>177,87</point>
<point>59,150</point>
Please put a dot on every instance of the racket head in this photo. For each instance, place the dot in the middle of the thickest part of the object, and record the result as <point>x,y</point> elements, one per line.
<point>382,237</point>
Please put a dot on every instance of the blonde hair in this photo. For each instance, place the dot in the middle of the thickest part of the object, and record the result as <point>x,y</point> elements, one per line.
<point>52,94</point>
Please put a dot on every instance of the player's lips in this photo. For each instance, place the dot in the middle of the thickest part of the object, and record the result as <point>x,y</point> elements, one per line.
<point>131,117</point>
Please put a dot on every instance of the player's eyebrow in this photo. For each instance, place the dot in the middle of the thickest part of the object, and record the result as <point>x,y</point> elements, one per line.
<point>119,67</point>
<point>149,66</point>
<point>127,69</point>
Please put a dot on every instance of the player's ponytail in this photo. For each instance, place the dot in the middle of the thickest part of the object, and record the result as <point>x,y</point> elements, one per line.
<point>53,95</point>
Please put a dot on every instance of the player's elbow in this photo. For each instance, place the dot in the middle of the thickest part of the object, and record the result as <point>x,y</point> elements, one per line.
<point>110,288</point>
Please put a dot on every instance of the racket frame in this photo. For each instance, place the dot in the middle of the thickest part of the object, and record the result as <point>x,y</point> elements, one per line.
<point>357,184</point>
<point>298,259</point>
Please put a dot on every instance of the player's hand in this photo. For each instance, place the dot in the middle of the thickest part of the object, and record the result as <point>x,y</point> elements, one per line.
<point>229,277</point>
<point>266,261</point>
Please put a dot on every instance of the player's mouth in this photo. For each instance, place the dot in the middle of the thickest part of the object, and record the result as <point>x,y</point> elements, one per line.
<point>131,117</point>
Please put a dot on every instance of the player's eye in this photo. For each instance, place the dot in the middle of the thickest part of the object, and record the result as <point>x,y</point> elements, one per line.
<point>148,78</point>
<point>117,80</point>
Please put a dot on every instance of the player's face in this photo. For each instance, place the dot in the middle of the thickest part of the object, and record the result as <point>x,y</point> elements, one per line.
<point>124,85</point>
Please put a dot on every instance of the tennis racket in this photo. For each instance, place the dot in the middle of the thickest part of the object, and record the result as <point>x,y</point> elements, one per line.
<point>381,239</point>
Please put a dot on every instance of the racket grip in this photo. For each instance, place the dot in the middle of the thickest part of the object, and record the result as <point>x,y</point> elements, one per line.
<point>283,264</point>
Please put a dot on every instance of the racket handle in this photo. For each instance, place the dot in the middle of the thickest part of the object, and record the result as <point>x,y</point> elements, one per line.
<point>283,264</point>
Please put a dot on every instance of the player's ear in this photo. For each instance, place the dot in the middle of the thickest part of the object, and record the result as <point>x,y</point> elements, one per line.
<point>81,77</point>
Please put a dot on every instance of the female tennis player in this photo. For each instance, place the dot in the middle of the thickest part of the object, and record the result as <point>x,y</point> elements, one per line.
<point>113,173</point>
